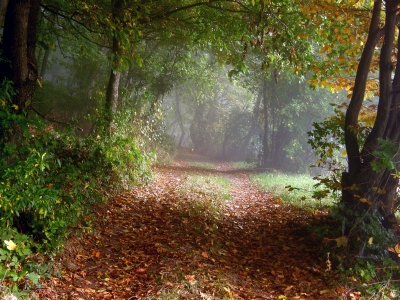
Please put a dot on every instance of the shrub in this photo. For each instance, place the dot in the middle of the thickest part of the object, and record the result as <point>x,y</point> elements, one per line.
<point>50,182</point>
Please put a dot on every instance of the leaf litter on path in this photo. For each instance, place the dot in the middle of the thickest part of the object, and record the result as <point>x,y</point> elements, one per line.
<point>160,242</point>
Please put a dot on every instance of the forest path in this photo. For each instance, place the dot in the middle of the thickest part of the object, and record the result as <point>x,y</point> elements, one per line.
<point>166,241</point>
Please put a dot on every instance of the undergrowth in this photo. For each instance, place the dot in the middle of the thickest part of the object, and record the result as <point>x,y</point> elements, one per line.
<point>49,183</point>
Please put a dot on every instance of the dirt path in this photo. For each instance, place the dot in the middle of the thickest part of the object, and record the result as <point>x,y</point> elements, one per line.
<point>158,243</point>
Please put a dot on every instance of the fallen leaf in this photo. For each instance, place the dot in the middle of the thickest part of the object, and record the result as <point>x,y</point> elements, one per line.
<point>341,241</point>
<point>140,270</point>
<point>340,290</point>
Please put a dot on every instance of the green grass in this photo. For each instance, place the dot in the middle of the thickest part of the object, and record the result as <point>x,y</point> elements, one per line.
<point>216,187</point>
<point>201,164</point>
<point>243,165</point>
<point>301,193</point>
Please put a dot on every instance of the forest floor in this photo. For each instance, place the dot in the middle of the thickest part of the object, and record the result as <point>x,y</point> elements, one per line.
<point>165,241</point>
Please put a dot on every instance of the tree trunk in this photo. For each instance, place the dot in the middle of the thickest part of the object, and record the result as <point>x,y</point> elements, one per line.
<point>363,189</point>
<point>19,44</point>
<point>254,121</point>
<point>115,74</point>
<point>45,60</point>
<point>179,117</point>
<point>265,151</point>
<point>197,129</point>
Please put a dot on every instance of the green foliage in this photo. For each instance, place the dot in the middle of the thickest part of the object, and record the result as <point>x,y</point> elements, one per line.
<point>385,153</point>
<point>327,137</point>
<point>372,279</point>
<point>164,147</point>
<point>49,183</point>
<point>371,237</point>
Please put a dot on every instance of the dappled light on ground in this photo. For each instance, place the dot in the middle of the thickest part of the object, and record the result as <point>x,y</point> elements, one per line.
<point>164,241</point>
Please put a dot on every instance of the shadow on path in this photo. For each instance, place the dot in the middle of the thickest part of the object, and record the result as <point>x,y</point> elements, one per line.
<point>159,243</point>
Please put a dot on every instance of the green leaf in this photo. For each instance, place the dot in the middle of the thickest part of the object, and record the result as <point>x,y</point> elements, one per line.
<point>34,278</point>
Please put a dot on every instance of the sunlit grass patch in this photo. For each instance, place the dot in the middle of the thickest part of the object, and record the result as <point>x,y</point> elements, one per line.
<point>202,164</point>
<point>205,196</point>
<point>216,187</point>
<point>301,191</point>
<point>243,165</point>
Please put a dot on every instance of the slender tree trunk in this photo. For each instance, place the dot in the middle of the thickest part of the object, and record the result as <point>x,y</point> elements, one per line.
<point>45,61</point>
<point>254,120</point>
<point>179,117</point>
<point>197,132</point>
<point>115,74</point>
<point>265,141</point>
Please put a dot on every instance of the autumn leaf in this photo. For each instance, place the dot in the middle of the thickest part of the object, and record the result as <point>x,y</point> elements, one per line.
<point>204,254</point>
<point>340,290</point>
<point>341,241</point>
<point>173,240</point>
<point>191,279</point>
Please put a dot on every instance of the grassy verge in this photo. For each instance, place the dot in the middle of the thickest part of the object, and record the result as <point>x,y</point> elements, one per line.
<point>243,165</point>
<point>301,192</point>
<point>202,164</point>
<point>213,189</point>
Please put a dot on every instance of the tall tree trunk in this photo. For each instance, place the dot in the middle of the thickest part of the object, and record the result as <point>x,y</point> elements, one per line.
<point>363,189</point>
<point>197,129</point>
<point>115,74</point>
<point>179,117</point>
<point>265,141</point>
<point>45,61</point>
<point>19,44</point>
<point>254,121</point>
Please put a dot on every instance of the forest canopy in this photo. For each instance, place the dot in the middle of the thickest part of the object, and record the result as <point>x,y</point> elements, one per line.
<point>94,92</point>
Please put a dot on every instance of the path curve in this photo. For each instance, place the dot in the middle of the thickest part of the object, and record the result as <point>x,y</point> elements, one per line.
<point>152,244</point>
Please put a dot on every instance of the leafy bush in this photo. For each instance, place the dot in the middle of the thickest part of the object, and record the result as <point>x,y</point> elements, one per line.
<point>49,183</point>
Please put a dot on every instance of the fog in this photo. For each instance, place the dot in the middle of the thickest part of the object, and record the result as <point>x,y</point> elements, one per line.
<point>255,116</point>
